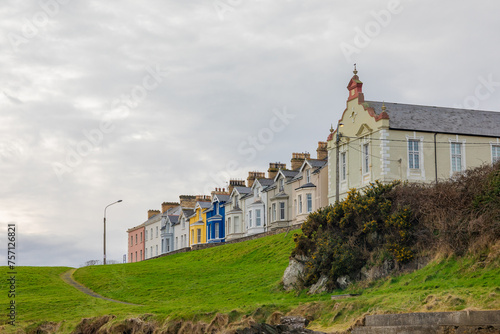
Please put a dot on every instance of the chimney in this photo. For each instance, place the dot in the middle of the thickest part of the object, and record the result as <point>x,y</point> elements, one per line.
<point>203,198</point>
<point>252,176</point>
<point>274,167</point>
<point>298,159</point>
<point>321,151</point>
<point>187,201</point>
<point>152,213</point>
<point>235,183</point>
<point>219,191</point>
<point>168,205</point>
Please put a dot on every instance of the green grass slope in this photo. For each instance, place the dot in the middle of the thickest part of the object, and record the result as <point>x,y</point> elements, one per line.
<point>240,279</point>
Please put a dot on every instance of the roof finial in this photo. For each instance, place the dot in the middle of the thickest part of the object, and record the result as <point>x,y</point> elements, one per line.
<point>383,106</point>
<point>331,129</point>
<point>355,71</point>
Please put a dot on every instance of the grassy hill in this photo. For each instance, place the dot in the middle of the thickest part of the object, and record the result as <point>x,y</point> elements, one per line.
<point>241,280</point>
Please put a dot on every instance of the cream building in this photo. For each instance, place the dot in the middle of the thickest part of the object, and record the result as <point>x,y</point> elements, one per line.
<point>392,141</point>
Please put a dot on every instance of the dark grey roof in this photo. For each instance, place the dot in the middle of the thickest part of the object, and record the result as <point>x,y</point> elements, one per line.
<point>204,205</point>
<point>265,182</point>
<point>315,163</point>
<point>188,212</point>
<point>307,185</point>
<point>173,219</point>
<point>440,119</point>
<point>289,173</point>
<point>222,198</point>
<point>243,190</point>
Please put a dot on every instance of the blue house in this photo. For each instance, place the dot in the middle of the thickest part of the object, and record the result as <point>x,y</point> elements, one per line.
<point>216,217</point>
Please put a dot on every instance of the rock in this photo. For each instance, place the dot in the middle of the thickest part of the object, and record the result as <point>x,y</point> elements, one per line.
<point>343,282</point>
<point>293,272</point>
<point>294,322</point>
<point>319,286</point>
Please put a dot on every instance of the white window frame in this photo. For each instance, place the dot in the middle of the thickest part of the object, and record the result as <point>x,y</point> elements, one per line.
<point>282,207</point>
<point>157,231</point>
<point>365,154</point>
<point>343,166</point>
<point>495,151</point>
<point>415,173</point>
<point>308,175</point>
<point>274,211</point>
<point>281,183</point>
<point>250,223</point>
<point>258,220</point>
<point>228,225</point>
<point>236,222</point>
<point>453,155</point>
<point>414,154</point>
<point>216,232</point>
<point>299,200</point>
<point>146,235</point>
<point>309,202</point>
<point>198,235</point>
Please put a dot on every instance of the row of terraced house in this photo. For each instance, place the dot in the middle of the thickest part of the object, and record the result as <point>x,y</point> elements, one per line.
<point>373,140</point>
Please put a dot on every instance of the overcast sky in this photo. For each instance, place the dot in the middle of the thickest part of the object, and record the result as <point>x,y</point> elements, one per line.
<point>147,100</point>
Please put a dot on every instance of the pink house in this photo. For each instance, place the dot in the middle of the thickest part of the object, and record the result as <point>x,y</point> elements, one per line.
<point>136,243</point>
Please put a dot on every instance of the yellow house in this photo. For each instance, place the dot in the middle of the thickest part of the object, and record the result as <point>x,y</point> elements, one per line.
<point>198,224</point>
<point>393,141</point>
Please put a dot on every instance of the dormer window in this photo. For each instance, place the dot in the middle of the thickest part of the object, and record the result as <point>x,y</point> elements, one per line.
<point>282,184</point>
<point>308,176</point>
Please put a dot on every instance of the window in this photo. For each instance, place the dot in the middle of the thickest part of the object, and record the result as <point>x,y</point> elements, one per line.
<point>217,208</point>
<point>413,154</point>
<point>183,222</point>
<point>209,229</point>
<point>257,218</point>
<point>136,238</point>
<point>151,235</point>
<point>157,231</point>
<point>282,185</point>
<point>236,224</point>
<point>250,218</point>
<point>495,153</point>
<point>274,211</point>
<point>309,202</point>
<point>236,204</point>
<point>308,175</point>
<point>300,203</point>
<point>282,210</point>
<point>136,257</point>
<point>198,231</point>
<point>343,166</point>
<point>456,157</point>
<point>200,215</point>
<point>146,253</point>
<point>366,158</point>
<point>131,240</point>
<point>146,234</point>
<point>229,225</point>
<point>216,231</point>
<point>141,237</point>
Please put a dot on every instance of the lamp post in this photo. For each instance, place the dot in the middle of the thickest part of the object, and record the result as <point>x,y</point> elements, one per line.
<point>337,170</point>
<point>104,260</point>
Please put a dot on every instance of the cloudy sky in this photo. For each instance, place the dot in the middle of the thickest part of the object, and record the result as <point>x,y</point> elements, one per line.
<point>147,100</point>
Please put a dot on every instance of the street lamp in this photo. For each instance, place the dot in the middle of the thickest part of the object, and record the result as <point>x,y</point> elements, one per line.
<point>337,173</point>
<point>104,260</point>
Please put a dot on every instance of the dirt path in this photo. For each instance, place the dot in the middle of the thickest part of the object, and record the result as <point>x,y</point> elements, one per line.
<point>68,278</point>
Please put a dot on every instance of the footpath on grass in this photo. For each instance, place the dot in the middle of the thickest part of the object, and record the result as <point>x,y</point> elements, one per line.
<point>68,278</point>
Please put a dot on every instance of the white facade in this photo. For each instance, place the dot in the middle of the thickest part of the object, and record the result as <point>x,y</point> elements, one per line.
<point>254,206</point>
<point>152,237</point>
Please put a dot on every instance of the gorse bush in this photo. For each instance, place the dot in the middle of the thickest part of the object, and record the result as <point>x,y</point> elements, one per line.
<point>400,221</point>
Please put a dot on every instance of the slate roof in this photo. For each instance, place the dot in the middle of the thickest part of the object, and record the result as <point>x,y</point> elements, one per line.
<point>173,219</point>
<point>204,205</point>
<point>243,190</point>
<point>266,182</point>
<point>222,198</point>
<point>188,212</point>
<point>289,173</point>
<point>315,163</point>
<point>440,119</point>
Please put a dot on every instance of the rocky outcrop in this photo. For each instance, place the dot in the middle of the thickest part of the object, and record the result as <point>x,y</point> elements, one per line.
<point>319,286</point>
<point>294,271</point>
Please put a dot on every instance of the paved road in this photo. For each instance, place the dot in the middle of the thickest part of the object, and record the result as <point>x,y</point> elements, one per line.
<point>68,278</point>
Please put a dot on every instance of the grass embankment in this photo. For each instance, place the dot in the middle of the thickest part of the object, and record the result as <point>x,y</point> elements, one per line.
<point>241,279</point>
